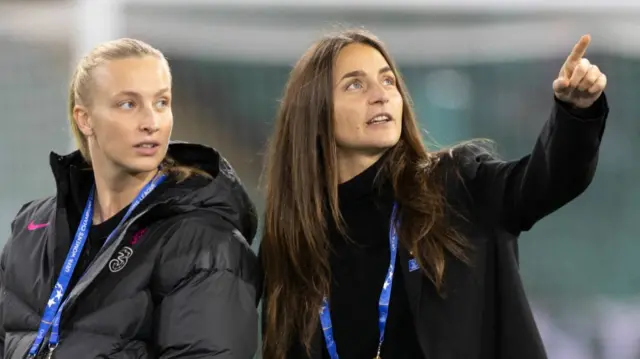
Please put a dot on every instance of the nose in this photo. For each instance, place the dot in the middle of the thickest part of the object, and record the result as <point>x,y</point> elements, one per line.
<point>378,95</point>
<point>150,121</point>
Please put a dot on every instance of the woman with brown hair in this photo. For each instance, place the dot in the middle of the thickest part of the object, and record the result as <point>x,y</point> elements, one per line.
<point>144,250</point>
<point>376,247</point>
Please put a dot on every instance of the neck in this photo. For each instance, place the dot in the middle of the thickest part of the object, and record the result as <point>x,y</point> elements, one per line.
<point>115,190</point>
<point>350,166</point>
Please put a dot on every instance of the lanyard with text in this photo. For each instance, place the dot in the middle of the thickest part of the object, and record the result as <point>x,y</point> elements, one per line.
<point>383,303</point>
<point>53,311</point>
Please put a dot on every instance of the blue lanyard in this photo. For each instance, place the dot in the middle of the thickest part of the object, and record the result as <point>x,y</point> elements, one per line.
<point>55,305</point>
<point>383,303</point>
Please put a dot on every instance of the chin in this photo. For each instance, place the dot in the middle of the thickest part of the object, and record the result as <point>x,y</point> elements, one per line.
<point>141,165</point>
<point>378,149</point>
<point>385,144</point>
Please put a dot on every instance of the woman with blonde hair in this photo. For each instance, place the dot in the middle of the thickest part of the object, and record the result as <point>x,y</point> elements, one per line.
<point>144,251</point>
<point>375,247</point>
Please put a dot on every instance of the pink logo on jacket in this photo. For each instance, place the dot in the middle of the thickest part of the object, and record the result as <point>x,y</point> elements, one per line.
<point>32,226</point>
<point>136,236</point>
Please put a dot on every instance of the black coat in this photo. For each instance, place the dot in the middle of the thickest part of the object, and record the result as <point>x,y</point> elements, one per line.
<point>485,314</point>
<point>178,281</point>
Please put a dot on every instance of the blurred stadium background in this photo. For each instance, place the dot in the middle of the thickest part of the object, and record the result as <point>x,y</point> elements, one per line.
<point>475,68</point>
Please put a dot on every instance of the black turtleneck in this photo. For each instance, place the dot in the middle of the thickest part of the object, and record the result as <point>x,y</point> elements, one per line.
<point>358,269</point>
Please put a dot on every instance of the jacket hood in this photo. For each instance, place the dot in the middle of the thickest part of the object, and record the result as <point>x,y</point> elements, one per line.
<point>224,195</point>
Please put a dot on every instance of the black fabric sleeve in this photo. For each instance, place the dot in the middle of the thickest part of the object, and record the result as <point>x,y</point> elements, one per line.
<point>211,279</point>
<point>518,193</point>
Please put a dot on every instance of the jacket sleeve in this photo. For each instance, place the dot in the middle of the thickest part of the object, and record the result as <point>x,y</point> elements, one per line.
<point>516,194</point>
<point>206,285</point>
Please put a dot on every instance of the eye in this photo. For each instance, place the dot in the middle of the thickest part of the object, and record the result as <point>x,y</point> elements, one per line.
<point>389,81</point>
<point>126,105</point>
<point>356,85</point>
<point>162,103</point>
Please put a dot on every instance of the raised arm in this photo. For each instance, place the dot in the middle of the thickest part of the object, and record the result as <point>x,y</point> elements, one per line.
<point>516,194</point>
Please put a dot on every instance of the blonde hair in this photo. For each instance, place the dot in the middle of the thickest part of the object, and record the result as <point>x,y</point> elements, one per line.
<point>80,91</point>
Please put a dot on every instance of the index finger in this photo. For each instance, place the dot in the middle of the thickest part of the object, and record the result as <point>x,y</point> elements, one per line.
<point>579,49</point>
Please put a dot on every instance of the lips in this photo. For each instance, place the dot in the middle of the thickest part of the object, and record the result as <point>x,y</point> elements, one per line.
<point>147,144</point>
<point>147,148</point>
<point>380,118</point>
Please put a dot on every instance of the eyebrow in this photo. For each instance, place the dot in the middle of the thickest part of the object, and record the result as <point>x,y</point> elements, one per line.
<point>136,94</point>
<point>359,73</point>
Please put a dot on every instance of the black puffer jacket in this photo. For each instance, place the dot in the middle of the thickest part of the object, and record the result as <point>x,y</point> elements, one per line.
<point>178,280</point>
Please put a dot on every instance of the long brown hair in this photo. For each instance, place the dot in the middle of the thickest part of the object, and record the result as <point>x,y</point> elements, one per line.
<point>302,192</point>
